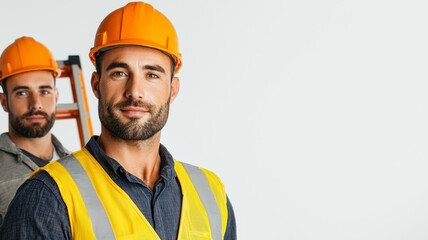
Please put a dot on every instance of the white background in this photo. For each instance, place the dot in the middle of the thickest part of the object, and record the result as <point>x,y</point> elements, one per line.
<point>313,113</point>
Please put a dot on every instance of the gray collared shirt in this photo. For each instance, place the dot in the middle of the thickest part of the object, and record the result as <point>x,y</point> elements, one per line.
<point>38,211</point>
<point>15,168</point>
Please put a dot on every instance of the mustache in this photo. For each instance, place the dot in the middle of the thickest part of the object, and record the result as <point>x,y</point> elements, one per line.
<point>134,103</point>
<point>31,113</point>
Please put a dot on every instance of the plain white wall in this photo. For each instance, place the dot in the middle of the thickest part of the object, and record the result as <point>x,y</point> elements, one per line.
<point>314,113</point>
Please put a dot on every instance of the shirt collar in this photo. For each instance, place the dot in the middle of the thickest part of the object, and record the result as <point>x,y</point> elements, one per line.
<point>114,169</point>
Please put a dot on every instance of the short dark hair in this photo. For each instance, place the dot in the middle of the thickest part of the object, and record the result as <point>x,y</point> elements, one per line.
<point>3,85</point>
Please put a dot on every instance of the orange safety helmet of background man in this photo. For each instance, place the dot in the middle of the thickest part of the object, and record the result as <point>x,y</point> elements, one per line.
<point>137,23</point>
<point>25,55</point>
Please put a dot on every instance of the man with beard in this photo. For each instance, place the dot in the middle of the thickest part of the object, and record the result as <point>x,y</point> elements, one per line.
<point>124,184</point>
<point>27,76</point>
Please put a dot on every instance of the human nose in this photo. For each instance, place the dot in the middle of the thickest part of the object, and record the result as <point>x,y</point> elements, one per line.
<point>35,102</point>
<point>135,88</point>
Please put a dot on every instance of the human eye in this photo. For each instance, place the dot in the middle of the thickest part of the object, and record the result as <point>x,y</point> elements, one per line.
<point>119,74</point>
<point>152,76</point>
<point>21,93</point>
<point>45,92</point>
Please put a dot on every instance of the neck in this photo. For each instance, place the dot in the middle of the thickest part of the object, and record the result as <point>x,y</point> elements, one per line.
<point>140,158</point>
<point>40,147</point>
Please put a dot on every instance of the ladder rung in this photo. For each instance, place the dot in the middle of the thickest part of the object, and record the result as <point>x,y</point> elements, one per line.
<point>66,114</point>
<point>78,109</point>
<point>67,106</point>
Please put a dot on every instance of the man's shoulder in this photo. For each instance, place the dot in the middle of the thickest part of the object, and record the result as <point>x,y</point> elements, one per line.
<point>12,169</point>
<point>37,208</point>
<point>62,151</point>
<point>40,185</point>
<point>42,176</point>
<point>13,164</point>
<point>194,166</point>
<point>6,144</point>
<point>43,182</point>
<point>191,169</point>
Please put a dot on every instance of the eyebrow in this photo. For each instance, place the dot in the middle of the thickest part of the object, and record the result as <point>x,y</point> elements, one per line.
<point>17,88</point>
<point>155,67</point>
<point>117,65</point>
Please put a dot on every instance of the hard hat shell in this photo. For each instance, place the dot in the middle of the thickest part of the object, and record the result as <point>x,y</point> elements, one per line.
<point>24,55</point>
<point>137,23</point>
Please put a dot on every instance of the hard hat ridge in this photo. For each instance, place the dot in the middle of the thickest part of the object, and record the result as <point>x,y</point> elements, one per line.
<point>137,23</point>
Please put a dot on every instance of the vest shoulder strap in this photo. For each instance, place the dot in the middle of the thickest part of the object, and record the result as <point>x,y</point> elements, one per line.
<point>96,212</point>
<point>209,190</point>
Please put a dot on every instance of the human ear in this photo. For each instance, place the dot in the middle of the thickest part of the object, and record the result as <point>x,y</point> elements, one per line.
<point>3,99</point>
<point>95,84</point>
<point>175,88</point>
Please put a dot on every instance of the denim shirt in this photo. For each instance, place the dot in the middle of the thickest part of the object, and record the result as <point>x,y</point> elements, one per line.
<point>38,211</point>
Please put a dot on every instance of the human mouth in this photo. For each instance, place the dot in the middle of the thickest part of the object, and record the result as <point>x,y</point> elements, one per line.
<point>35,118</point>
<point>134,111</point>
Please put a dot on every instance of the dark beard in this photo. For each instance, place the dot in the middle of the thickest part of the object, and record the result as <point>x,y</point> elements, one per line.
<point>133,130</point>
<point>35,130</point>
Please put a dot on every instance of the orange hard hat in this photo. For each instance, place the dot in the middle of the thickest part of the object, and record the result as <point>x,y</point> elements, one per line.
<point>137,23</point>
<point>24,55</point>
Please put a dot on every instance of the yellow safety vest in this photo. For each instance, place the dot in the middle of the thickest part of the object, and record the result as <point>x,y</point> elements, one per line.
<point>99,209</point>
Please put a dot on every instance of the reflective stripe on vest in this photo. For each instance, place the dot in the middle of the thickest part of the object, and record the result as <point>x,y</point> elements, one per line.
<point>97,214</point>
<point>204,191</point>
<point>86,188</point>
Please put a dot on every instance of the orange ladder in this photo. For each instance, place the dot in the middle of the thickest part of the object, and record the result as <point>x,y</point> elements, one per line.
<point>78,109</point>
